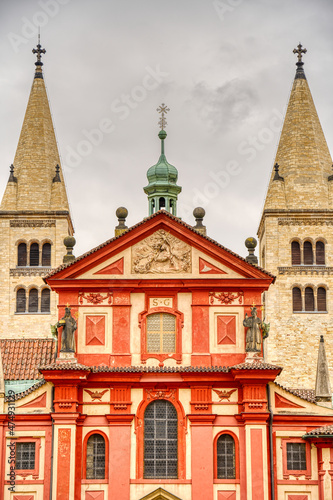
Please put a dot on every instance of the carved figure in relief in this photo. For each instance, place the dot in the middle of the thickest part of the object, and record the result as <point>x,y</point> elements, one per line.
<point>68,325</point>
<point>161,253</point>
<point>224,394</point>
<point>253,334</point>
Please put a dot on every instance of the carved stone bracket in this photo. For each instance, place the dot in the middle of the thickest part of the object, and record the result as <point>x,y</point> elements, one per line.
<point>30,271</point>
<point>95,299</point>
<point>226,298</point>
<point>319,221</point>
<point>32,223</point>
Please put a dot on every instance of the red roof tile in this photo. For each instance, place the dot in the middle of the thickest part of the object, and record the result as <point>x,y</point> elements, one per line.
<point>326,430</point>
<point>306,394</point>
<point>22,357</point>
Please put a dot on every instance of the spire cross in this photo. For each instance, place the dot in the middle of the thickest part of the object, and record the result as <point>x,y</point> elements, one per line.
<point>163,109</point>
<point>39,51</point>
<point>299,51</point>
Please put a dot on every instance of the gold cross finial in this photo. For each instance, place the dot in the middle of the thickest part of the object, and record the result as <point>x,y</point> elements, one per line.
<point>39,51</point>
<point>299,51</point>
<point>163,109</point>
<point>253,305</point>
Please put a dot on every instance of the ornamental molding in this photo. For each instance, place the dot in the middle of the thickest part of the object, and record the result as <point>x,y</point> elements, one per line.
<point>317,221</point>
<point>226,298</point>
<point>161,394</point>
<point>30,271</point>
<point>94,299</point>
<point>32,223</point>
<point>306,270</point>
<point>161,253</point>
<point>96,394</point>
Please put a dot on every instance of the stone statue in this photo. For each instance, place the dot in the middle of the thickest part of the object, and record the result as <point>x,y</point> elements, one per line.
<point>68,325</point>
<point>253,334</point>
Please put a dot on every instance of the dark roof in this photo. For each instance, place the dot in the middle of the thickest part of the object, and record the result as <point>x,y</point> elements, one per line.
<point>326,430</point>
<point>66,365</point>
<point>256,365</point>
<point>306,394</point>
<point>20,395</point>
<point>173,217</point>
<point>21,358</point>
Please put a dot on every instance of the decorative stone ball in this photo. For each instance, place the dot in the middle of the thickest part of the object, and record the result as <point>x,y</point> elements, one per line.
<point>121,213</point>
<point>162,134</point>
<point>69,241</point>
<point>199,213</point>
<point>251,242</point>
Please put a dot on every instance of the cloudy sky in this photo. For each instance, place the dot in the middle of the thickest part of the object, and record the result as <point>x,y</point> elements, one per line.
<point>224,68</point>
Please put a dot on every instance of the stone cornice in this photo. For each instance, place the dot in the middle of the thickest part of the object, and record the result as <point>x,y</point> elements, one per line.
<point>306,270</point>
<point>30,271</point>
<point>32,223</point>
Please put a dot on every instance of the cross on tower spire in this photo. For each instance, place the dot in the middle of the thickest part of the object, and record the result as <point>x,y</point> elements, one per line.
<point>163,109</point>
<point>39,51</point>
<point>299,51</point>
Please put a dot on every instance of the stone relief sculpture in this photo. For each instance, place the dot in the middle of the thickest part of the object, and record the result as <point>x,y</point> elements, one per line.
<point>68,325</point>
<point>161,253</point>
<point>253,334</point>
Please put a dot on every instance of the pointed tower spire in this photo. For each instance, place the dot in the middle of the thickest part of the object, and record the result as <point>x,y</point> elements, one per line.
<point>37,156</point>
<point>162,189</point>
<point>303,156</point>
<point>323,392</point>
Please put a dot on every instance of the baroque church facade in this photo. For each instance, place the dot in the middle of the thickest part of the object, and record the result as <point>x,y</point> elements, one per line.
<point>158,380</point>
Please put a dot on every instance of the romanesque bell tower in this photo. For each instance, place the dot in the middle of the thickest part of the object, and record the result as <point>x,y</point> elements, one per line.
<point>296,240</point>
<point>34,220</point>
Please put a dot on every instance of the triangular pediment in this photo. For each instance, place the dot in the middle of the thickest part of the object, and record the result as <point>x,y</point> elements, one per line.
<point>160,247</point>
<point>160,494</point>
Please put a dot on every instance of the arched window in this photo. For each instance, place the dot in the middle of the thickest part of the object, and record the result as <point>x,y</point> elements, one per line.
<point>33,300</point>
<point>321,299</point>
<point>20,300</point>
<point>296,253</point>
<point>320,253</point>
<point>22,254</point>
<point>46,255</point>
<point>34,254</point>
<point>309,299</point>
<point>161,202</point>
<point>297,299</point>
<point>161,333</point>
<point>160,441</point>
<point>225,453</point>
<point>308,253</point>
<point>95,464</point>
<point>45,301</point>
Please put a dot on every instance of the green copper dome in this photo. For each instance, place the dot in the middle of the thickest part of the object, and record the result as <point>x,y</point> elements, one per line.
<point>162,189</point>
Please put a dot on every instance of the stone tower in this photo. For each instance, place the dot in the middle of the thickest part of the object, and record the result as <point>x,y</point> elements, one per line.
<point>296,241</point>
<point>162,189</point>
<point>35,218</point>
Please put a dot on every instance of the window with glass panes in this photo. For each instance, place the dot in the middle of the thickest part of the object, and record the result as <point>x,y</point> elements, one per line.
<point>95,465</point>
<point>161,333</point>
<point>226,457</point>
<point>25,454</point>
<point>160,441</point>
<point>296,456</point>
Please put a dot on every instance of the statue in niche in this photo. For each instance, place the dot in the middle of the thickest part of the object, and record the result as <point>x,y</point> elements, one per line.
<point>253,335</point>
<point>161,253</point>
<point>68,325</point>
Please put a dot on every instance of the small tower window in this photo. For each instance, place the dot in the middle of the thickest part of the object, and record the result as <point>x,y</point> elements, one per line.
<point>46,255</point>
<point>45,302</point>
<point>95,465</point>
<point>297,299</point>
<point>22,254</point>
<point>309,299</point>
<point>308,253</point>
<point>295,253</point>
<point>20,300</point>
<point>33,300</point>
<point>161,202</point>
<point>321,299</point>
<point>226,457</point>
<point>320,253</point>
<point>34,254</point>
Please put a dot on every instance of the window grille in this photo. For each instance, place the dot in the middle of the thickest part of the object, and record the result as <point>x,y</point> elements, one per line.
<point>161,333</point>
<point>160,441</point>
<point>34,254</point>
<point>46,255</point>
<point>295,253</point>
<point>45,302</point>
<point>226,457</point>
<point>95,457</point>
<point>33,300</point>
<point>320,253</point>
<point>296,456</point>
<point>20,300</point>
<point>297,299</point>
<point>321,299</point>
<point>309,299</point>
<point>25,456</point>
<point>308,253</point>
<point>22,254</point>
